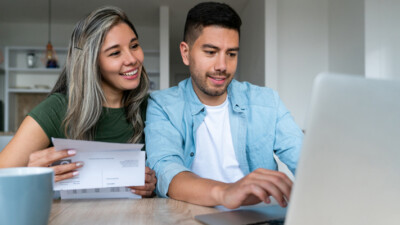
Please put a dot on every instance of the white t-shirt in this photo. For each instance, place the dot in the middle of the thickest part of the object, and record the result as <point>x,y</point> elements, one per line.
<point>215,156</point>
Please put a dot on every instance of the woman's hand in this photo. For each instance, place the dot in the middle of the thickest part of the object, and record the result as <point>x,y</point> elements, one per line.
<point>46,157</point>
<point>146,191</point>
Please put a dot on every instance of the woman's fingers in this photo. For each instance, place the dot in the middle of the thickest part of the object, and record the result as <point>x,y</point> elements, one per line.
<point>65,168</point>
<point>66,171</point>
<point>46,157</point>
<point>145,194</point>
<point>150,179</point>
<point>145,191</point>
<point>65,176</point>
<point>150,184</point>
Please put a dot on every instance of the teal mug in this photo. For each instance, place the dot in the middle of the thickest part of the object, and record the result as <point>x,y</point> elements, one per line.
<point>26,195</point>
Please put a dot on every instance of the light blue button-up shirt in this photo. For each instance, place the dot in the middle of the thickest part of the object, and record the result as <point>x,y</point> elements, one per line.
<point>260,126</point>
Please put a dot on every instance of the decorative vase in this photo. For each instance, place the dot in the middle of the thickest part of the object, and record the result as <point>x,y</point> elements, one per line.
<point>31,60</point>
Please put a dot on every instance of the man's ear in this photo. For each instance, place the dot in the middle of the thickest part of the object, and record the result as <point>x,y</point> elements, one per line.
<point>184,47</point>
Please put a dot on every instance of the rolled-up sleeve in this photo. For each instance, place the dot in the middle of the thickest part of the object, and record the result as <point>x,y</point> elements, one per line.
<point>288,137</point>
<point>163,146</point>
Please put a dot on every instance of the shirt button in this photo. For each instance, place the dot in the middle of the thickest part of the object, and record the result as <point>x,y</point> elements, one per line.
<point>192,154</point>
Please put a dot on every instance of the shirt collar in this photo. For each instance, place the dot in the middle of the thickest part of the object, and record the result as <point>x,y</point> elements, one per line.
<point>196,105</point>
<point>236,97</point>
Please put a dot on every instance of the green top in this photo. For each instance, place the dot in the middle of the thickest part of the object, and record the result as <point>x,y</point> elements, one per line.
<point>112,126</point>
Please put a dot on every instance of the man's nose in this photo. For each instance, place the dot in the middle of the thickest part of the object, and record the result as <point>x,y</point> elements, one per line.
<point>220,64</point>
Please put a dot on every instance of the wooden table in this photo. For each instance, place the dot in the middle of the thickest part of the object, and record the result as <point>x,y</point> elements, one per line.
<point>125,211</point>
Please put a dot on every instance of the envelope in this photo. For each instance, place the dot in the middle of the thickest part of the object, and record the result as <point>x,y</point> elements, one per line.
<point>106,164</point>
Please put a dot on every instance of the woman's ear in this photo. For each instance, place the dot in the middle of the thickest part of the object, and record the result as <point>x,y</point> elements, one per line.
<point>184,47</point>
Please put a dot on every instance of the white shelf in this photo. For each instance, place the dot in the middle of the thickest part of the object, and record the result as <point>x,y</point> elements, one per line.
<point>17,74</point>
<point>35,70</point>
<point>20,80</point>
<point>34,48</point>
<point>28,90</point>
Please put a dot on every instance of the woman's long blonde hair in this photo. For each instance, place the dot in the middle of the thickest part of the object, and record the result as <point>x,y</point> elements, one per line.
<point>80,79</point>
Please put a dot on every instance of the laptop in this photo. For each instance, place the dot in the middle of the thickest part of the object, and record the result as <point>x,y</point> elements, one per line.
<point>349,168</point>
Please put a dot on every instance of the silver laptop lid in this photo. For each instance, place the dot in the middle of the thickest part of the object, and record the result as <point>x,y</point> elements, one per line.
<point>349,168</point>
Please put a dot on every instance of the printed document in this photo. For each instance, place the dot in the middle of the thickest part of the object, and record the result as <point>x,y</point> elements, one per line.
<point>114,192</point>
<point>106,165</point>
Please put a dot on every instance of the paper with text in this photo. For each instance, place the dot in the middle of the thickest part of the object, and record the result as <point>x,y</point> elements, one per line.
<point>114,192</point>
<point>106,165</point>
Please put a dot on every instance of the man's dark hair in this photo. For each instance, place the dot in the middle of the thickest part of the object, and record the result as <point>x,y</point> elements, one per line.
<point>208,14</point>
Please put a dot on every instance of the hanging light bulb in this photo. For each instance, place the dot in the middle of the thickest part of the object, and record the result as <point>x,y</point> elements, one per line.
<point>51,61</point>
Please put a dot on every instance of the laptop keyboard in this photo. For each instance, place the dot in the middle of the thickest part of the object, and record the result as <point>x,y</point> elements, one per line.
<point>269,222</point>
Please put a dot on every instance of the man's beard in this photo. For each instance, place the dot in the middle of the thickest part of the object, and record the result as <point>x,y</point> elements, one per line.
<point>202,84</point>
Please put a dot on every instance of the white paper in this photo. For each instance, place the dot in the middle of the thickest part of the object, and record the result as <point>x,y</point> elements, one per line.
<point>60,144</point>
<point>114,192</point>
<point>105,164</point>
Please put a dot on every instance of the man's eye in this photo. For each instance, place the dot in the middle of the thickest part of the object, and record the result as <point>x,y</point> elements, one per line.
<point>232,54</point>
<point>134,46</point>
<point>210,52</point>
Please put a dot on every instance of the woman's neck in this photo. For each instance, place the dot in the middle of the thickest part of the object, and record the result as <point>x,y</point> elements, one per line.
<point>112,103</point>
<point>113,99</point>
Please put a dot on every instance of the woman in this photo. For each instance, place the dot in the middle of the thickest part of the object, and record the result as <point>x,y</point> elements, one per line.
<point>100,95</point>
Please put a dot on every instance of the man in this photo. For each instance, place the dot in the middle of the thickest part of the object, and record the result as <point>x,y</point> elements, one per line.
<point>211,139</point>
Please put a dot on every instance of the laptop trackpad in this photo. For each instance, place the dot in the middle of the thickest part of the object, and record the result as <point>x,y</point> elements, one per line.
<point>273,215</point>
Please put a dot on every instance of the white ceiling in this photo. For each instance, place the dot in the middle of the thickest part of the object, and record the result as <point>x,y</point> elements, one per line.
<point>141,12</point>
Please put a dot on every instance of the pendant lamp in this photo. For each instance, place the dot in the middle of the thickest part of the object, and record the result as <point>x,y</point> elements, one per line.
<point>51,61</point>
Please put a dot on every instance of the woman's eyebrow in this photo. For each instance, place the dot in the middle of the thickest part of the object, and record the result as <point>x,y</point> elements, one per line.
<point>117,45</point>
